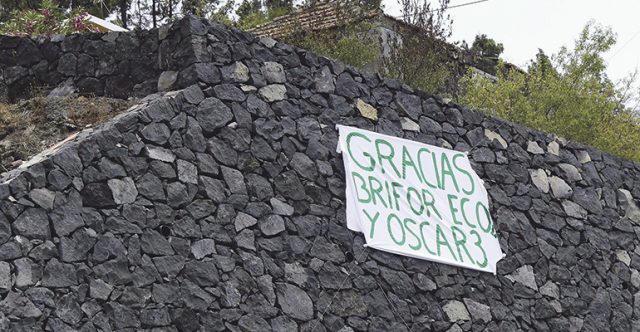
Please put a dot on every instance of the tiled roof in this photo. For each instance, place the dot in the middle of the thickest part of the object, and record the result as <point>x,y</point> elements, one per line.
<point>324,16</point>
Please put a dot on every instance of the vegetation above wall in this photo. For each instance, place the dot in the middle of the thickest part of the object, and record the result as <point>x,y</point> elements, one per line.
<point>568,94</point>
<point>48,19</point>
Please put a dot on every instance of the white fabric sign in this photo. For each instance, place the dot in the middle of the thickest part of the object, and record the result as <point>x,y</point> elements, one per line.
<point>417,200</point>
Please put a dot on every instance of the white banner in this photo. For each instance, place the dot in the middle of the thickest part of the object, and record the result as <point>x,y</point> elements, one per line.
<point>417,200</point>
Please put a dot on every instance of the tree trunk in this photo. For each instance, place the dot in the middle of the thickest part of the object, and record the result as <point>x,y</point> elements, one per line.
<point>123,12</point>
<point>153,12</point>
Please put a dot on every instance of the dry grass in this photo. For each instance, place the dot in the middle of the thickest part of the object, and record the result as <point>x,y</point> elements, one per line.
<point>28,127</point>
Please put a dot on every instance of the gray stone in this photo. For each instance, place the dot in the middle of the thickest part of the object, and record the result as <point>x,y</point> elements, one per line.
<point>479,312</point>
<point>43,197</point>
<point>33,223</point>
<point>559,188</point>
<point>77,247</point>
<point>399,281</point>
<point>366,110</point>
<point>283,324</point>
<point>213,114</point>
<point>246,240</point>
<point>265,284</point>
<point>574,210</point>
<point>271,225</point>
<point>325,250</point>
<point>455,328</point>
<point>228,92</point>
<point>583,156</point>
<point>234,179</point>
<point>99,289</point>
<point>203,248</point>
<point>68,160</point>
<point>294,302</point>
<point>166,80</point>
<point>14,304</point>
<point>213,188</point>
<point>455,311</point>
<point>25,273</point>
<point>554,148</point>
<point>159,153</point>
<point>236,72</point>
<point>231,297</point>
<point>571,173</point>
<point>66,88</point>
<point>534,148</point>
<point>346,86</point>
<point>5,276</point>
<point>525,276</point>
<point>304,166</point>
<point>153,243</point>
<point>202,273</point>
<point>323,81</point>
<point>97,195</point>
<point>151,187</point>
<point>269,129</point>
<point>635,278</point>
<point>67,64</point>
<point>10,250</point>
<point>492,135</point>
<point>540,179</point>
<point>253,323</point>
<point>157,133</point>
<point>58,274</point>
<point>273,92</point>
<point>187,172</point>
<point>280,207</point>
<point>423,282</point>
<point>629,205</point>
<point>123,190</point>
<point>409,125</point>
<point>169,266</point>
<point>624,257</point>
<point>550,289</point>
<point>288,184</point>
<point>193,137</point>
<point>5,229</point>
<point>155,317</point>
<point>411,105</point>
<point>273,72</point>
<point>243,221</point>
<point>177,194</point>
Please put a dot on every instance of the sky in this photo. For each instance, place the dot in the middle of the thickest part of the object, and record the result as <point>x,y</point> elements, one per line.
<point>523,26</point>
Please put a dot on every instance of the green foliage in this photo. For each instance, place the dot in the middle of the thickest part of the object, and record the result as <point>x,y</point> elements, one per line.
<point>421,62</point>
<point>351,45</point>
<point>252,13</point>
<point>48,19</point>
<point>485,46</point>
<point>569,95</point>
<point>101,8</point>
<point>419,54</point>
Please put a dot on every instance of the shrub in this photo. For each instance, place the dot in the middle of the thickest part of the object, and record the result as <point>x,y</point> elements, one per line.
<point>48,20</point>
<point>568,94</point>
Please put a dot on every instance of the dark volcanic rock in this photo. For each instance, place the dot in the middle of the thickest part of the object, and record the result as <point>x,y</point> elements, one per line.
<point>294,302</point>
<point>222,206</point>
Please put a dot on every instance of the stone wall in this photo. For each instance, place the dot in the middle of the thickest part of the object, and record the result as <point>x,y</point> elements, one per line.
<point>221,207</point>
<point>112,64</point>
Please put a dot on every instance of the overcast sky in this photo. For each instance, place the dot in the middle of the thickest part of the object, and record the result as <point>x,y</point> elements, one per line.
<point>523,26</point>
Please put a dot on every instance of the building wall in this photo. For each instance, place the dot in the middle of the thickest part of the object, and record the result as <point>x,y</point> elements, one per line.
<point>221,207</point>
